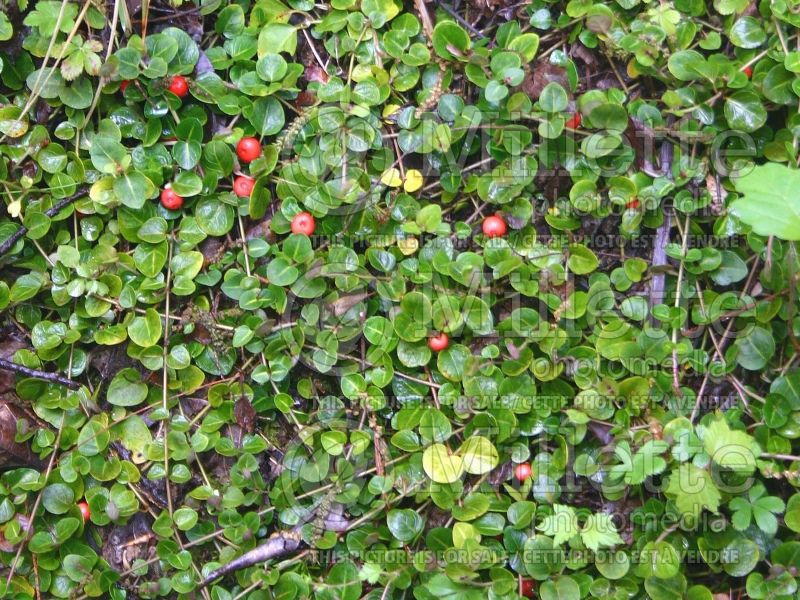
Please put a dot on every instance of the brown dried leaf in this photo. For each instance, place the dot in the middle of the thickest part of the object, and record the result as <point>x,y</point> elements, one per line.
<point>542,73</point>
<point>13,454</point>
<point>245,415</point>
<point>345,303</point>
<point>316,73</point>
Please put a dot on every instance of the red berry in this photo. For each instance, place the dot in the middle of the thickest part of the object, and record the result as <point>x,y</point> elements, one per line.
<point>124,84</point>
<point>170,199</point>
<point>303,223</point>
<point>748,71</point>
<point>243,186</point>
<point>178,86</point>
<point>522,471</point>
<point>248,149</point>
<point>633,203</point>
<point>526,588</point>
<point>437,343</point>
<point>84,508</point>
<point>494,226</point>
<point>574,122</point>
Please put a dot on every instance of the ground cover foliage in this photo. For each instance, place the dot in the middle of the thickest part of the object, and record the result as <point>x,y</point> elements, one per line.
<point>535,332</point>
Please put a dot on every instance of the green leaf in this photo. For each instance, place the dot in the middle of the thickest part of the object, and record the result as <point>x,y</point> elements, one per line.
<point>727,447</point>
<point>599,531</point>
<point>450,40</point>
<point>769,203</point>
<point>405,524</point>
<point>146,330</point>
<point>108,155</point>
<point>562,525</point>
<point>127,388</point>
<point>187,184</point>
<point>58,498</point>
<point>755,348</point>
<point>277,37</point>
<point>581,259</point>
<point>440,465</point>
<point>693,490</point>
<point>744,111</point>
<point>553,98</point>
<point>479,455</point>
<point>214,217</point>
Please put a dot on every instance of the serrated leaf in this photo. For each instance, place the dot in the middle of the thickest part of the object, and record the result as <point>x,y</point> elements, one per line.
<point>562,525</point>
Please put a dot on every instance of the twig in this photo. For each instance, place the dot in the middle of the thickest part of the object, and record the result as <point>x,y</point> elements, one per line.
<point>7,365</point>
<point>462,20</point>
<point>427,24</point>
<point>280,544</point>
<point>50,212</point>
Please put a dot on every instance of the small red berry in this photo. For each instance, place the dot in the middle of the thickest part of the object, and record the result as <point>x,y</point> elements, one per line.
<point>170,199</point>
<point>748,70</point>
<point>124,84</point>
<point>303,223</point>
<point>437,343</point>
<point>494,226</point>
<point>243,186</point>
<point>248,149</point>
<point>522,471</point>
<point>633,204</point>
<point>178,86</point>
<point>574,122</point>
<point>85,512</point>
<point>526,588</point>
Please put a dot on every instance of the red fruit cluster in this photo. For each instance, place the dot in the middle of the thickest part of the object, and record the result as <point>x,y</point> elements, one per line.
<point>85,512</point>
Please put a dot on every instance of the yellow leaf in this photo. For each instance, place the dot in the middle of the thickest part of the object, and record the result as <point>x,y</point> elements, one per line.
<point>633,71</point>
<point>390,109</point>
<point>391,177</point>
<point>408,245</point>
<point>413,180</point>
<point>15,208</point>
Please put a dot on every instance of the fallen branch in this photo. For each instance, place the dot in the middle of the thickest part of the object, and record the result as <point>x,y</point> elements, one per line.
<point>279,544</point>
<point>7,365</point>
<point>50,212</point>
<point>659,260</point>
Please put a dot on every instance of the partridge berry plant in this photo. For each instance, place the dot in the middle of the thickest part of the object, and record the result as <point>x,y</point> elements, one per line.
<point>432,300</point>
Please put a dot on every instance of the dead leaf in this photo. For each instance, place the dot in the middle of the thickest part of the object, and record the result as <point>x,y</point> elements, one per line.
<point>542,73</point>
<point>13,454</point>
<point>345,303</point>
<point>245,414</point>
<point>316,73</point>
